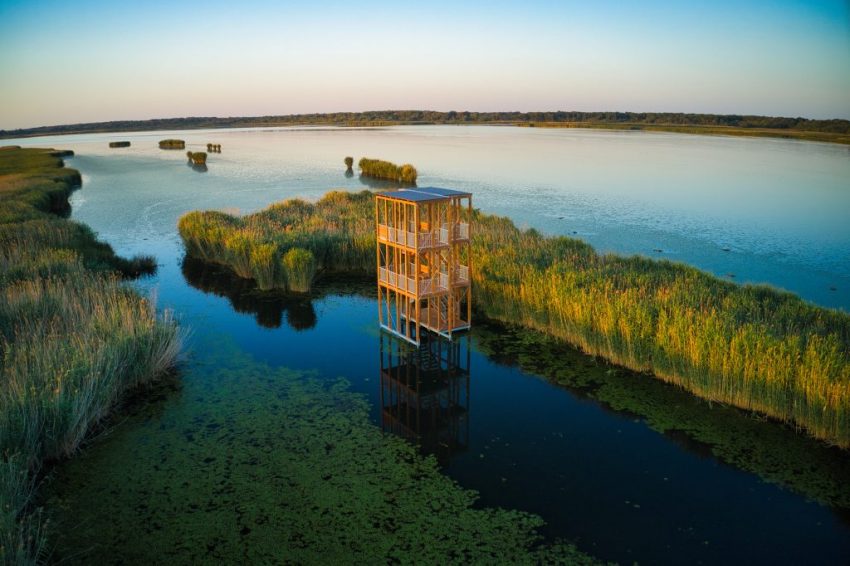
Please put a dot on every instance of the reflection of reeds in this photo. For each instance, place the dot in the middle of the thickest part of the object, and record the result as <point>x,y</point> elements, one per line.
<point>750,346</point>
<point>775,453</point>
<point>268,308</point>
<point>72,338</point>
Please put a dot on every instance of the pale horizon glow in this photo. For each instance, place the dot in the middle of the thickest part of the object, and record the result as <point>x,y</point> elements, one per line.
<point>65,63</point>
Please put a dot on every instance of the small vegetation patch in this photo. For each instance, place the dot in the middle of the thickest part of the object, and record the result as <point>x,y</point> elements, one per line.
<point>385,170</point>
<point>172,144</point>
<point>119,144</point>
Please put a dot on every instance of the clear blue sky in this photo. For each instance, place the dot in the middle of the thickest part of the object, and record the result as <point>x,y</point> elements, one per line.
<point>66,62</point>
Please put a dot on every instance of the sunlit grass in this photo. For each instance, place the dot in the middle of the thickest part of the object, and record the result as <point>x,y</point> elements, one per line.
<point>72,337</point>
<point>385,170</point>
<point>289,244</point>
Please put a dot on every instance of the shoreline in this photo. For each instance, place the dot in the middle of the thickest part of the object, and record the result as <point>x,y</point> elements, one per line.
<point>75,339</point>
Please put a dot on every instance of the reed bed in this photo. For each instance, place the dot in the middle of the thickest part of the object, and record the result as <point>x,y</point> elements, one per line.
<point>753,347</point>
<point>290,244</point>
<point>385,170</point>
<point>172,144</point>
<point>73,339</point>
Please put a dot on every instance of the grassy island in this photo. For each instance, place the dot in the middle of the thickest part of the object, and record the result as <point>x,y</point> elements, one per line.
<point>385,170</point>
<point>73,338</point>
<point>289,244</point>
<point>753,347</point>
<point>119,144</point>
<point>172,144</point>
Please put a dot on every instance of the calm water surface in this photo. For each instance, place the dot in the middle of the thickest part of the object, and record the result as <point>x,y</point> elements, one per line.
<point>603,478</point>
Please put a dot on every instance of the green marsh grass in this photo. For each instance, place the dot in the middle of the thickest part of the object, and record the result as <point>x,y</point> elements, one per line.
<point>73,338</point>
<point>385,170</point>
<point>290,244</point>
<point>753,347</point>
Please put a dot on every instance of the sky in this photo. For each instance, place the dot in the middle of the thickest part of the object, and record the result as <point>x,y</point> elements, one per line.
<point>67,62</point>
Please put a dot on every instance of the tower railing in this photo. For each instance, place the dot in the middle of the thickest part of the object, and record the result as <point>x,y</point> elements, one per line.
<point>427,238</point>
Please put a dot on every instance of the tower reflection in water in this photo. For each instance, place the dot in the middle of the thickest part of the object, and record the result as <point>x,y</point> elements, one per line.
<point>425,392</point>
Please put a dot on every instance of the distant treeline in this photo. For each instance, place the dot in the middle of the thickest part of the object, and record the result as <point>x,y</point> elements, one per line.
<point>393,117</point>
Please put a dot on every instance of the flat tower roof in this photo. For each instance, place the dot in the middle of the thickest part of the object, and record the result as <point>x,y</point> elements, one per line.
<point>422,194</point>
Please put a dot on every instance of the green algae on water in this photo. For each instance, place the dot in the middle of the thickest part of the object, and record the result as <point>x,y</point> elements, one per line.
<point>264,464</point>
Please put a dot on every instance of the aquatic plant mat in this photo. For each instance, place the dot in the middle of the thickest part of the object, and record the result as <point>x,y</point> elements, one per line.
<point>275,466</point>
<point>753,347</point>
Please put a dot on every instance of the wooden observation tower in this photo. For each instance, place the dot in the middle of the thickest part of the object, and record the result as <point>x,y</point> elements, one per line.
<point>423,261</point>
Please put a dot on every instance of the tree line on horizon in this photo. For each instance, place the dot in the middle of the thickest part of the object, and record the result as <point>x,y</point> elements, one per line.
<point>378,117</point>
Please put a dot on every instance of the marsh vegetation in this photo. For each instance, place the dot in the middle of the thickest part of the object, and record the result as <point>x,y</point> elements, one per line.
<point>389,171</point>
<point>197,157</point>
<point>73,338</point>
<point>289,244</point>
<point>753,347</point>
<point>172,144</point>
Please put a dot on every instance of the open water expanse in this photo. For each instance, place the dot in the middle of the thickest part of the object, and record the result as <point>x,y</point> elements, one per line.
<point>625,467</point>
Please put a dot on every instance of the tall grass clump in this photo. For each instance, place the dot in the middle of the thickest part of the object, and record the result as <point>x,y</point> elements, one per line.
<point>73,338</point>
<point>290,244</point>
<point>300,267</point>
<point>385,170</point>
<point>753,347</point>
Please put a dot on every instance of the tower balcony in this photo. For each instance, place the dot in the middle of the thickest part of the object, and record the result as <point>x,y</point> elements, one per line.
<point>425,238</point>
<point>427,285</point>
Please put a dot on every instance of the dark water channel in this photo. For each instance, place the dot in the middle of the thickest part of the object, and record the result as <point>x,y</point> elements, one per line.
<point>623,466</point>
<point>600,477</point>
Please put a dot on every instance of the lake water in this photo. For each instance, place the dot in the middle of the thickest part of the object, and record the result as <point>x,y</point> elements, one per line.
<point>781,208</point>
<point>626,467</point>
